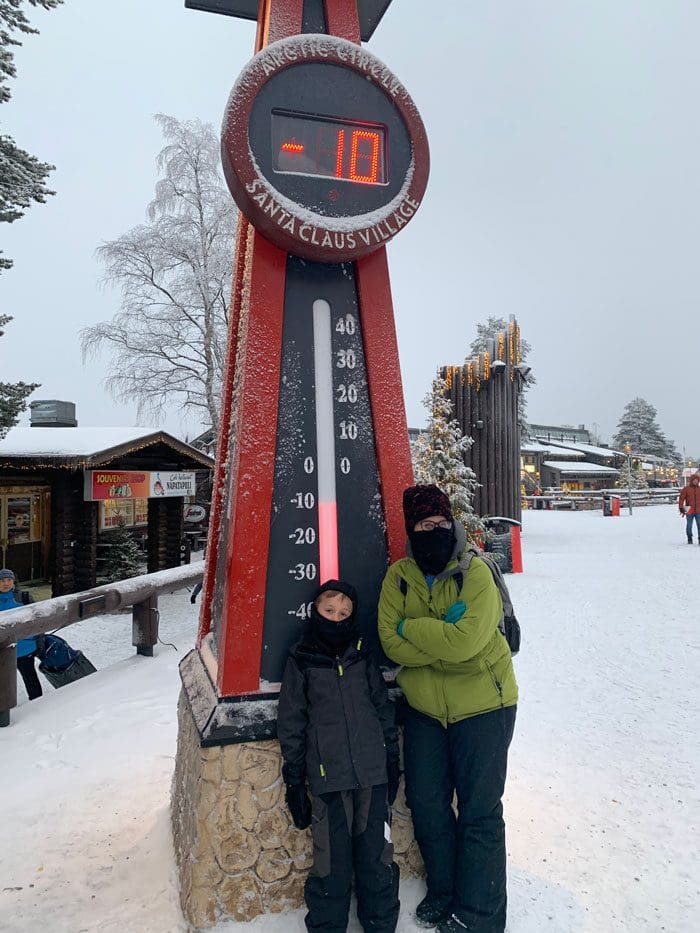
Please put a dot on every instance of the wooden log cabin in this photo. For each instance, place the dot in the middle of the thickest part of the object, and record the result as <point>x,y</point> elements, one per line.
<point>61,487</point>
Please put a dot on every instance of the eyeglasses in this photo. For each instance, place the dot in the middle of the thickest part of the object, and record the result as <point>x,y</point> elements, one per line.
<point>427,525</point>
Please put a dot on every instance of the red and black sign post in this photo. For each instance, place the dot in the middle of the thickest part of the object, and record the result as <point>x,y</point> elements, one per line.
<point>327,158</point>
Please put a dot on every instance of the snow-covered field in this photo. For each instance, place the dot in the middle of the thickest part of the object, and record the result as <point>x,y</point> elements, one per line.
<point>602,805</point>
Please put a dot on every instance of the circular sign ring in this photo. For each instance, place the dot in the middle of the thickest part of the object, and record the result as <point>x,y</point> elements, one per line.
<point>288,224</point>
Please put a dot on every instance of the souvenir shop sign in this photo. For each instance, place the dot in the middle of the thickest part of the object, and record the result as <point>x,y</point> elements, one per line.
<point>136,484</point>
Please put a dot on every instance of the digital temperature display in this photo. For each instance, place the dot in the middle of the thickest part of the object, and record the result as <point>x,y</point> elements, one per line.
<point>324,147</point>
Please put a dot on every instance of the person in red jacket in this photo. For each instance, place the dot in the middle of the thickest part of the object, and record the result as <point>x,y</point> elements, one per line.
<point>689,505</point>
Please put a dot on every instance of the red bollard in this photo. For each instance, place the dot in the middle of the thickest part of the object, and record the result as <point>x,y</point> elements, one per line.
<point>516,549</point>
<point>615,500</point>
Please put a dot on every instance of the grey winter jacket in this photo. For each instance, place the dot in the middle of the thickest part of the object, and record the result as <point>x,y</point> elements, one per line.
<point>335,722</point>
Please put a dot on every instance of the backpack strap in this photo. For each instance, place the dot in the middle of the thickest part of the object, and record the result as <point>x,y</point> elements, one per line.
<point>500,582</point>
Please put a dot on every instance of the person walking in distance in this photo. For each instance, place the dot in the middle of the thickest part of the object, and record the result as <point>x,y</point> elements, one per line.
<point>689,506</point>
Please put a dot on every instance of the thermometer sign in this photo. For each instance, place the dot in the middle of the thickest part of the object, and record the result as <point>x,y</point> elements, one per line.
<point>327,157</point>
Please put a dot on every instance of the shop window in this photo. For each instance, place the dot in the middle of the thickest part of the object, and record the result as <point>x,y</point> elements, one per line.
<point>20,528</point>
<point>129,512</point>
<point>115,512</point>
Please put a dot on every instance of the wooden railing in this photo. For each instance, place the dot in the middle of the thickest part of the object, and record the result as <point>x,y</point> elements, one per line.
<point>141,593</point>
<point>553,498</point>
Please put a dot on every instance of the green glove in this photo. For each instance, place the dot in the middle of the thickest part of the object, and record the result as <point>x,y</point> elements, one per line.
<point>455,612</point>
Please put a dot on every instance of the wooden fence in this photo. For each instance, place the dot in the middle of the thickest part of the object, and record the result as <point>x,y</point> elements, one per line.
<point>141,593</point>
<point>593,498</point>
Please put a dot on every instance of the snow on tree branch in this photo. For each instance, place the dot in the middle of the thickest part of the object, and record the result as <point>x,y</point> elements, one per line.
<point>13,395</point>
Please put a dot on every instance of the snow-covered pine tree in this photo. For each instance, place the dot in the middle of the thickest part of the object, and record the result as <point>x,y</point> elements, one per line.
<point>123,557</point>
<point>13,395</point>
<point>638,428</point>
<point>22,175</point>
<point>438,457</point>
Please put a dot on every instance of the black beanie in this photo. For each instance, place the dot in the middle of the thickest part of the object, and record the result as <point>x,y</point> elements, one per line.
<point>347,589</point>
<point>421,502</point>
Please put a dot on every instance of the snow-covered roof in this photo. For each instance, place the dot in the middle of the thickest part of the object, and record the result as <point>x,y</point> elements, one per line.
<point>534,447</point>
<point>590,449</point>
<point>84,443</point>
<point>566,466</point>
<point>69,442</point>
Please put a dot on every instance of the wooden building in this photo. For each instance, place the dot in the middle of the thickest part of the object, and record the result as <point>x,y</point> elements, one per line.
<point>60,487</point>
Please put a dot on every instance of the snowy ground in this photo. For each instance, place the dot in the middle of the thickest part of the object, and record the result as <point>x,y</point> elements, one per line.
<point>602,806</point>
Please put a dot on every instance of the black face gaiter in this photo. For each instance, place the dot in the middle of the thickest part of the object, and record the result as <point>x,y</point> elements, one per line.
<point>432,550</point>
<point>335,635</point>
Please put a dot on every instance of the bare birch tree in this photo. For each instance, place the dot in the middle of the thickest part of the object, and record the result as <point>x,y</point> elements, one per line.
<point>168,341</point>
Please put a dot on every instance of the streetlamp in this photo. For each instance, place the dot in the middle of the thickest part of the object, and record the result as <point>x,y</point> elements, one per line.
<point>628,450</point>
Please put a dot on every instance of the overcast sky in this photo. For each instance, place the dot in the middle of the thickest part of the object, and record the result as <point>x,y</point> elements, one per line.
<point>564,189</point>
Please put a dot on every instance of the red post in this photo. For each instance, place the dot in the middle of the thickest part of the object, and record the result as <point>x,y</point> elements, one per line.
<point>615,505</point>
<point>386,393</point>
<point>516,549</point>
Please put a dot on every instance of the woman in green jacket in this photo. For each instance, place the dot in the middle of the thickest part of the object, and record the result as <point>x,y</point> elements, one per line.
<point>457,676</point>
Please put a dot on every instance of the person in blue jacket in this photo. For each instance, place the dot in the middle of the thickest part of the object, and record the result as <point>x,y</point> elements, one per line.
<point>26,647</point>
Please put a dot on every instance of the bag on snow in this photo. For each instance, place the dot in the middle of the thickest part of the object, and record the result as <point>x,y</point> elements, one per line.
<point>508,625</point>
<point>61,664</point>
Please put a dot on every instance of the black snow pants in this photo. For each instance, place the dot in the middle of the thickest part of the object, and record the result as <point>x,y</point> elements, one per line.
<point>26,668</point>
<point>465,856</point>
<point>350,830</point>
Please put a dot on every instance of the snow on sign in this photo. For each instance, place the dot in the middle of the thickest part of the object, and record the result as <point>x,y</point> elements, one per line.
<point>136,484</point>
<point>335,161</point>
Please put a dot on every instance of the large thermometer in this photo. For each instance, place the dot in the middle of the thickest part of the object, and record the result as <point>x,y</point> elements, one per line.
<point>327,157</point>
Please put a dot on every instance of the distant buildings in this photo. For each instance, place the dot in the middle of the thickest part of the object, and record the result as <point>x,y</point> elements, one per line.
<point>564,457</point>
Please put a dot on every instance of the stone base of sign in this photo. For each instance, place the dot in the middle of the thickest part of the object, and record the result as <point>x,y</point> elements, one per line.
<point>237,851</point>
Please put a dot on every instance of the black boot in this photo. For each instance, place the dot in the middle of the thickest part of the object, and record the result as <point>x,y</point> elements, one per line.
<point>433,910</point>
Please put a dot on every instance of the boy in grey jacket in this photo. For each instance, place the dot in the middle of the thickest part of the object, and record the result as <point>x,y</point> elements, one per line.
<point>336,729</point>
